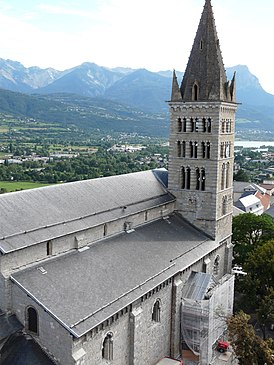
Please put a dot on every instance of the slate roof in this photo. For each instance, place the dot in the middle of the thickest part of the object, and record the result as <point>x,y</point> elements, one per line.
<point>22,350</point>
<point>205,65</point>
<point>9,325</point>
<point>32,216</point>
<point>270,211</point>
<point>82,289</point>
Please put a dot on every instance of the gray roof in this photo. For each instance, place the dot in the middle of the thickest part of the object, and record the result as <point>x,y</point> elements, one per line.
<point>9,325</point>
<point>198,285</point>
<point>82,289</point>
<point>32,216</point>
<point>21,349</point>
<point>270,211</point>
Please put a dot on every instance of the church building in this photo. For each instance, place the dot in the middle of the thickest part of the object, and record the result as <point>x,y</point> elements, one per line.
<point>129,269</point>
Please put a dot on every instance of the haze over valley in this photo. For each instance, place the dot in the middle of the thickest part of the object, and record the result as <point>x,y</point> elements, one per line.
<point>122,99</point>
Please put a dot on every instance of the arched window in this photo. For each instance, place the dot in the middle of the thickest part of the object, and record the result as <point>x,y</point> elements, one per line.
<point>195,149</point>
<point>184,125</point>
<point>183,149</point>
<point>156,313</point>
<point>107,350</point>
<point>191,149</point>
<point>222,150</point>
<point>179,150</point>
<point>32,320</point>
<point>209,125</point>
<point>224,205</point>
<point>196,124</point>
<point>223,176</point>
<point>49,248</point>
<point>204,124</point>
<point>216,266</point>
<point>208,150</point>
<point>203,149</point>
<point>223,126</point>
<point>203,178</point>
<point>227,175</point>
<point>195,92</point>
<point>105,230</point>
<point>183,178</point>
<point>146,215</point>
<point>179,125</point>
<point>192,124</point>
<point>198,179</point>
<point>188,177</point>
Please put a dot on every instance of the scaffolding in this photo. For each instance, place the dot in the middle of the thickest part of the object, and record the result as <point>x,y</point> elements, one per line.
<point>206,304</point>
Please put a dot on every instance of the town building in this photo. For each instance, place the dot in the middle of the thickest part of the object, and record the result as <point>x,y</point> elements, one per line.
<point>104,271</point>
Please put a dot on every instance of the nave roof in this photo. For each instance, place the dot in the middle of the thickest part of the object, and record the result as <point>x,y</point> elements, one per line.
<point>82,289</point>
<point>32,216</point>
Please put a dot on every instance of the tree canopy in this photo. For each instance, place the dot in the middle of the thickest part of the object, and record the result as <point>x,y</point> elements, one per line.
<point>249,348</point>
<point>249,231</point>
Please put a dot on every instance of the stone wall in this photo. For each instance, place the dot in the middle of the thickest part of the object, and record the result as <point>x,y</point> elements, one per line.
<point>203,207</point>
<point>52,336</point>
<point>137,338</point>
<point>15,260</point>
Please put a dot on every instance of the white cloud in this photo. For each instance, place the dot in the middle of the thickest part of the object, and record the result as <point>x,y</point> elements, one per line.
<point>64,10</point>
<point>153,34</point>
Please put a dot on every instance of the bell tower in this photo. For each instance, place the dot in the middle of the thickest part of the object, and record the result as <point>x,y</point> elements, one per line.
<point>202,123</point>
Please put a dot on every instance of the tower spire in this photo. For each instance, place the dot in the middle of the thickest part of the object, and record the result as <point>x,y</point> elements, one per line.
<point>175,93</point>
<point>205,77</point>
<point>201,140</point>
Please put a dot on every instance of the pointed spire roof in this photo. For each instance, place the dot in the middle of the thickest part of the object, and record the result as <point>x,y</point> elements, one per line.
<point>205,77</point>
<point>175,93</point>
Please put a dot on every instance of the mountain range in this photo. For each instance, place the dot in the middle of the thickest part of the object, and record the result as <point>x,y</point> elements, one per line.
<point>140,91</point>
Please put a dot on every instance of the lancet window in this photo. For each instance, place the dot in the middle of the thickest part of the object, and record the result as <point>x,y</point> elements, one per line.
<point>216,266</point>
<point>209,125</point>
<point>195,149</point>
<point>188,178</point>
<point>200,179</point>
<point>224,205</point>
<point>183,149</point>
<point>32,320</point>
<point>184,124</point>
<point>191,149</point>
<point>156,312</point>
<point>107,350</point>
<point>179,149</point>
<point>179,124</point>
<point>225,178</point>
<point>183,178</point>
<point>192,124</point>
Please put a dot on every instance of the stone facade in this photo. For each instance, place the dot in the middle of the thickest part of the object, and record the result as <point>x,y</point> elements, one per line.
<point>203,148</point>
<point>202,126</point>
<point>145,328</point>
<point>137,338</point>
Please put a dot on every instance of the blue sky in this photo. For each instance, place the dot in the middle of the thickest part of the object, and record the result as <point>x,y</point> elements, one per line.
<point>152,34</point>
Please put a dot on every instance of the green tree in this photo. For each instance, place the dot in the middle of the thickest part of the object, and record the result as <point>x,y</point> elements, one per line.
<point>249,231</point>
<point>257,286</point>
<point>265,311</point>
<point>249,348</point>
<point>241,175</point>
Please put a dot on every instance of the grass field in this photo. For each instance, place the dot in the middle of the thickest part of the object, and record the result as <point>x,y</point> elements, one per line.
<point>20,185</point>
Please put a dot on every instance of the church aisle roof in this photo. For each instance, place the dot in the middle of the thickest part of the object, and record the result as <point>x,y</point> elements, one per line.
<point>21,349</point>
<point>8,325</point>
<point>82,289</point>
<point>32,216</point>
